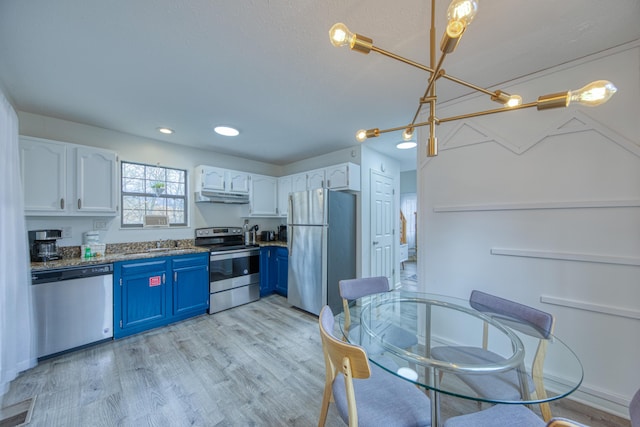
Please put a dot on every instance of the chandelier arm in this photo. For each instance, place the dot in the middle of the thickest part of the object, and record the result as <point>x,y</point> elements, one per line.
<point>431,70</point>
<point>432,81</point>
<point>402,59</point>
<point>487,112</point>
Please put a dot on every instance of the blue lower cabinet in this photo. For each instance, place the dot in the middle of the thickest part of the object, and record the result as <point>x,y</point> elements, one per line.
<point>282,271</point>
<point>266,276</point>
<point>155,292</point>
<point>274,264</point>
<point>190,285</point>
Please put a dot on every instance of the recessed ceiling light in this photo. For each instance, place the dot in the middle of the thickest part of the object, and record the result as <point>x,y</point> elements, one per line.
<point>406,145</point>
<point>166,131</point>
<point>226,131</point>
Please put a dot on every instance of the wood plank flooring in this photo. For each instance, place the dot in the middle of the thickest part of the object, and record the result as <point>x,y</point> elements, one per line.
<point>259,364</point>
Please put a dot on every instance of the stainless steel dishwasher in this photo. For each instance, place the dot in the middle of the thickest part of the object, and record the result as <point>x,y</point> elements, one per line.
<point>73,307</point>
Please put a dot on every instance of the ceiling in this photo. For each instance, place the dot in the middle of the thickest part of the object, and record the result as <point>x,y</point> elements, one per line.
<point>267,67</point>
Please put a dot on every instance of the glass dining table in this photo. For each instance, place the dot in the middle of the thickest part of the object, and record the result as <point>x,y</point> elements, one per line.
<point>437,321</point>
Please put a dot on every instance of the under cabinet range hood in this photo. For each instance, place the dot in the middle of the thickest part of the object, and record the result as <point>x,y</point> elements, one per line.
<point>207,196</point>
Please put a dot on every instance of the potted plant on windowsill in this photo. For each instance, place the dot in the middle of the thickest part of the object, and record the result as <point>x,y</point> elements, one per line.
<point>158,188</point>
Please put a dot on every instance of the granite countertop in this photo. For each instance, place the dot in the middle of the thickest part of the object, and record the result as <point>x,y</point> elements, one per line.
<point>272,243</point>
<point>110,258</point>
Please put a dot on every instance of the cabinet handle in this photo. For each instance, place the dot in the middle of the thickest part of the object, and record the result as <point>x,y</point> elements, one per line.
<point>164,278</point>
<point>175,276</point>
<point>328,183</point>
<point>79,203</point>
<point>61,203</point>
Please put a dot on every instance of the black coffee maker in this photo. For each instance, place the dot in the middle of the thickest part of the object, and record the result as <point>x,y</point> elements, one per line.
<point>43,246</point>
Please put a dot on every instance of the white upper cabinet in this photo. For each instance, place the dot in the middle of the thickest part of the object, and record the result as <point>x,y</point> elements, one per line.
<point>345,176</point>
<point>238,182</point>
<point>264,196</point>
<point>43,166</point>
<point>315,179</point>
<point>299,182</point>
<point>284,188</point>
<point>96,180</point>
<point>210,178</point>
<point>67,179</point>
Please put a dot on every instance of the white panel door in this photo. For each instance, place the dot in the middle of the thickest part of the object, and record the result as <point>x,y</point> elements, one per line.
<point>382,226</point>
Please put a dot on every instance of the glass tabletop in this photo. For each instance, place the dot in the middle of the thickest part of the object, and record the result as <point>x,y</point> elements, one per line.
<point>384,324</point>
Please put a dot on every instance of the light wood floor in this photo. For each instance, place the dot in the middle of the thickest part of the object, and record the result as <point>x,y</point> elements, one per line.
<point>259,364</point>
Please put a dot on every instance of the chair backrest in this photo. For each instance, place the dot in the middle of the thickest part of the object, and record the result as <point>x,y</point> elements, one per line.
<point>523,318</point>
<point>357,288</point>
<point>339,356</point>
<point>634,409</point>
<point>352,289</point>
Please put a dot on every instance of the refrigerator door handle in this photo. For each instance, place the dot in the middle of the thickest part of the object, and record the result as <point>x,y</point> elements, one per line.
<point>289,228</point>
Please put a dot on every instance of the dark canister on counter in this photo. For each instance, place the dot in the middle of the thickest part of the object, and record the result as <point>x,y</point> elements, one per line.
<point>282,233</point>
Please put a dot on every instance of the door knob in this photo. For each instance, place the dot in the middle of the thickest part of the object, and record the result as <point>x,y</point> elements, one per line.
<point>375,243</point>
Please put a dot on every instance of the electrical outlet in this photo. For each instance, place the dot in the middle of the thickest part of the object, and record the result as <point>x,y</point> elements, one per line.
<point>99,224</point>
<point>66,232</point>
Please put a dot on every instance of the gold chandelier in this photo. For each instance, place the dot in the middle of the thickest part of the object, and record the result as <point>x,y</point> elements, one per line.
<point>460,14</point>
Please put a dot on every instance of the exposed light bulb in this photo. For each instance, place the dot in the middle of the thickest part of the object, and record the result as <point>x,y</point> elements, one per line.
<point>407,134</point>
<point>514,101</point>
<point>166,131</point>
<point>463,11</point>
<point>363,134</point>
<point>340,35</point>
<point>593,94</point>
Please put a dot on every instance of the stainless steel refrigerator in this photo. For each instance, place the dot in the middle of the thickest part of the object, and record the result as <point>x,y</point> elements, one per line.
<point>322,247</point>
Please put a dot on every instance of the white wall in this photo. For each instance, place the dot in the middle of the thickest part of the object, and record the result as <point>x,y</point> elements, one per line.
<point>544,208</point>
<point>136,149</point>
<point>346,155</point>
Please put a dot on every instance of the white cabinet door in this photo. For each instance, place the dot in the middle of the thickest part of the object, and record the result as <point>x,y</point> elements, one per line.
<point>238,182</point>
<point>299,182</point>
<point>211,179</point>
<point>345,176</point>
<point>44,176</point>
<point>284,188</point>
<point>96,180</point>
<point>263,197</point>
<point>315,179</point>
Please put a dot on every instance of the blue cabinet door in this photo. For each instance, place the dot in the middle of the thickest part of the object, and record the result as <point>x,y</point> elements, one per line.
<point>266,271</point>
<point>140,297</point>
<point>190,285</point>
<point>281,267</point>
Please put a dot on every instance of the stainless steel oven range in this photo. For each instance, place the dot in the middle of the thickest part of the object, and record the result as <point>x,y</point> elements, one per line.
<point>234,267</point>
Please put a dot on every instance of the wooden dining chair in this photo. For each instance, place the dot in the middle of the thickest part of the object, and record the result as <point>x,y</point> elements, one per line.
<point>353,289</point>
<point>364,394</point>
<point>504,385</point>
